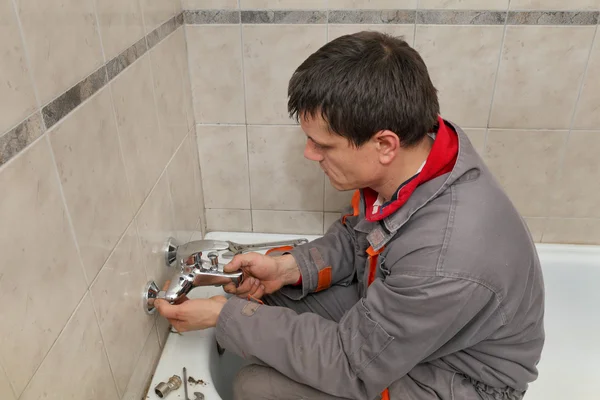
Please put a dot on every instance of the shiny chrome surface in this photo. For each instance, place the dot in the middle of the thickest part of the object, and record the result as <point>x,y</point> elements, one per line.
<point>192,271</point>
<point>175,252</point>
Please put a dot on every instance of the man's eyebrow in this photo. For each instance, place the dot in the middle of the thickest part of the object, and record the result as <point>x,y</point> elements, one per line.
<point>314,141</point>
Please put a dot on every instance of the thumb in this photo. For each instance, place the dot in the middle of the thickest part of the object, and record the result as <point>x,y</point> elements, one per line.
<point>165,309</point>
<point>240,261</point>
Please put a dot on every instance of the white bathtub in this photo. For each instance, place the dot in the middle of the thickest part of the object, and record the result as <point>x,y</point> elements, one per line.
<point>570,365</point>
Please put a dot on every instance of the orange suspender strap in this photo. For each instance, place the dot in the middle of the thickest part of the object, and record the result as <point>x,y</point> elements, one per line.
<point>355,207</point>
<point>373,257</point>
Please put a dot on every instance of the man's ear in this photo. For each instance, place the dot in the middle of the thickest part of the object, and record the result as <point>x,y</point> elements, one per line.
<point>388,145</point>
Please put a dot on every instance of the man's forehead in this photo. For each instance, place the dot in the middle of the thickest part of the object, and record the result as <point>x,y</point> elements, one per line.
<point>314,122</point>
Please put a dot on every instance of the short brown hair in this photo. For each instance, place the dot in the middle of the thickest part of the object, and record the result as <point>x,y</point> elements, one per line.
<point>365,83</point>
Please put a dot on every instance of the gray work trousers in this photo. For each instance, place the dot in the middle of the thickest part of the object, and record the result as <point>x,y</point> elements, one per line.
<point>258,382</point>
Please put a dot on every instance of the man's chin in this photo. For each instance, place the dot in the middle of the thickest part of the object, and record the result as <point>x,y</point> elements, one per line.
<point>340,187</point>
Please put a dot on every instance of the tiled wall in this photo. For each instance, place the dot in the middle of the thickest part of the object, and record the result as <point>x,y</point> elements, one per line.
<point>98,166</point>
<point>521,77</point>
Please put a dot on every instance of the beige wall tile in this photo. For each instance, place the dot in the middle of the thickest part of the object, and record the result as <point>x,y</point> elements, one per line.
<point>157,12</point>
<point>526,164</point>
<point>162,328</point>
<point>280,177</point>
<point>269,66</point>
<point>329,219</point>
<point>167,65</point>
<point>91,170</point>
<point>289,4</point>
<point>228,220</point>
<point>554,5</point>
<point>198,180</point>
<point>216,73</point>
<point>372,4</point>
<point>572,231</point>
<point>406,32</point>
<point>465,87</point>
<point>540,75</point>
<point>464,4</point>
<point>576,194</point>
<point>36,234</point>
<point>121,24</point>
<point>187,90</point>
<point>477,139</point>
<point>334,199</point>
<point>79,355</point>
<point>145,149</point>
<point>293,222</point>
<point>587,115</point>
<point>536,227</point>
<point>209,4</point>
<point>155,225</point>
<point>6,391</point>
<point>17,98</point>
<point>182,183</point>
<point>224,164</point>
<point>122,322</point>
<point>142,374</point>
<point>64,47</point>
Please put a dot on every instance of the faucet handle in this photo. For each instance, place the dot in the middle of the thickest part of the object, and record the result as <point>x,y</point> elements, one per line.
<point>213,256</point>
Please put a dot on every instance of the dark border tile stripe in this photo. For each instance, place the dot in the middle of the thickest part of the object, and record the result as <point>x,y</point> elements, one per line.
<point>64,104</point>
<point>372,16</point>
<point>460,17</point>
<point>157,35</point>
<point>201,17</point>
<point>115,66</point>
<point>15,140</point>
<point>284,17</point>
<point>553,17</point>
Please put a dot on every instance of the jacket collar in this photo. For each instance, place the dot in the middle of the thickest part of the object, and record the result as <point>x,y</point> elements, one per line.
<point>467,166</point>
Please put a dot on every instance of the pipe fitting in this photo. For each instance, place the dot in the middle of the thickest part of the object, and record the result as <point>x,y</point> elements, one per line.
<point>163,389</point>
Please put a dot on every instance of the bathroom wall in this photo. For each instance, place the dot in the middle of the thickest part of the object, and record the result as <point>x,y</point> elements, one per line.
<point>98,166</point>
<point>521,77</point>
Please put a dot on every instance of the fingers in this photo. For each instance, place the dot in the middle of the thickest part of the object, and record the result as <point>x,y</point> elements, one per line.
<point>240,261</point>
<point>260,292</point>
<point>166,310</point>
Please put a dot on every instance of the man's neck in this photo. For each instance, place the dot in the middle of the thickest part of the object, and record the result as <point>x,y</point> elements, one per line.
<point>406,166</point>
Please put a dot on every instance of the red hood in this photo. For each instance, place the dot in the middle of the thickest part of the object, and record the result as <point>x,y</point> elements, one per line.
<point>440,161</point>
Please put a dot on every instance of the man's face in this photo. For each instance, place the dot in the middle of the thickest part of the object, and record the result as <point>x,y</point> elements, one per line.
<point>346,166</point>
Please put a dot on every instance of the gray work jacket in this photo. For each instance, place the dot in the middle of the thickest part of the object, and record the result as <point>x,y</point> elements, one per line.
<point>455,311</point>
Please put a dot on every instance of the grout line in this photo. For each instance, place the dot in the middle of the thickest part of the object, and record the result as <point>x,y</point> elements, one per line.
<point>584,76</point>
<point>112,373</point>
<point>99,32</point>
<point>67,211</point>
<point>327,21</point>
<point>10,385</point>
<point>128,178</point>
<point>414,43</point>
<point>27,59</point>
<point>62,330</point>
<point>245,119</point>
<point>501,51</point>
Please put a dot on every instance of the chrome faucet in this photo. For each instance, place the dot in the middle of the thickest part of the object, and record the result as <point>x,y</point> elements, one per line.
<point>192,271</point>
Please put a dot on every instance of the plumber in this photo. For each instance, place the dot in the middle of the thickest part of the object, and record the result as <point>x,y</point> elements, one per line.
<point>428,287</point>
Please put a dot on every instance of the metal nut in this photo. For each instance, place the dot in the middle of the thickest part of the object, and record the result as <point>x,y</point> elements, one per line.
<point>163,389</point>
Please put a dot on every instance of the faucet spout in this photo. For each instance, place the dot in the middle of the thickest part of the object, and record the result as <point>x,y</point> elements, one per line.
<point>194,272</point>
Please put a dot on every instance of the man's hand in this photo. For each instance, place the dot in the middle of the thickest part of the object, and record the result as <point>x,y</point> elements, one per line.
<point>262,274</point>
<point>192,315</point>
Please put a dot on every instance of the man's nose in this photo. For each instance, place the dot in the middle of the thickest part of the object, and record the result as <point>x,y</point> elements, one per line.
<point>311,154</point>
